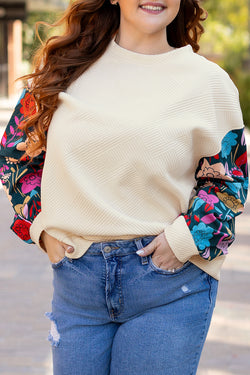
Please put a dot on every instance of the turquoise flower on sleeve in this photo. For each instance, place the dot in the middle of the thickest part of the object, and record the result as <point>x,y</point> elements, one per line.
<point>245,184</point>
<point>202,234</point>
<point>227,143</point>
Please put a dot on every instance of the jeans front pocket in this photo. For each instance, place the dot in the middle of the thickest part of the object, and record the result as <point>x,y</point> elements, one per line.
<point>60,263</point>
<point>166,272</point>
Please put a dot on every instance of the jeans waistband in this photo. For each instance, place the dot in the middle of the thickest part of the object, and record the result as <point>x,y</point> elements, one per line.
<point>119,247</point>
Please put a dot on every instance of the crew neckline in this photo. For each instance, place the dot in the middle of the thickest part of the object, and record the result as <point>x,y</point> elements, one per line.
<point>127,54</point>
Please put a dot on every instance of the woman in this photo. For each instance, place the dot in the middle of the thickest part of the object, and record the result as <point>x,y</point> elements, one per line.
<point>140,146</point>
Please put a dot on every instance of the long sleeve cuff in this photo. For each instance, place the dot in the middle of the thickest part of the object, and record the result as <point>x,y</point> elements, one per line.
<point>181,240</point>
<point>35,232</point>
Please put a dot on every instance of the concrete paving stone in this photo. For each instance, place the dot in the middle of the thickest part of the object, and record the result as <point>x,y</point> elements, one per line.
<point>26,289</point>
<point>31,370</point>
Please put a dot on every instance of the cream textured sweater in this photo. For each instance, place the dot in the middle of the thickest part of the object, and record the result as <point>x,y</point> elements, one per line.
<point>124,145</point>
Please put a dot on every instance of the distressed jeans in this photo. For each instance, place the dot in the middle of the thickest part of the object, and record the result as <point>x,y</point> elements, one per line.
<point>115,313</point>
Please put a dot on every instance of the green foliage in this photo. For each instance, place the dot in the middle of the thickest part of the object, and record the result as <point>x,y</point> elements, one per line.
<point>227,32</point>
<point>31,41</point>
<point>242,81</point>
<point>226,41</point>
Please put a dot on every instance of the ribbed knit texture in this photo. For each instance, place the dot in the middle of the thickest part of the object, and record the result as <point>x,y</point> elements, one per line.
<point>124,144</point>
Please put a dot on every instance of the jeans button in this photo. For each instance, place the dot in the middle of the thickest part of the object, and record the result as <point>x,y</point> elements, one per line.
<point>107,249</point>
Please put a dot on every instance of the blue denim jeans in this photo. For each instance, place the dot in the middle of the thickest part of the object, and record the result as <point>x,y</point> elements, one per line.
<point>115,313</point>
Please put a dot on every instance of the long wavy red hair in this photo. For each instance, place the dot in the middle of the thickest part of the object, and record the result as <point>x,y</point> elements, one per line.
<point>89,27</point>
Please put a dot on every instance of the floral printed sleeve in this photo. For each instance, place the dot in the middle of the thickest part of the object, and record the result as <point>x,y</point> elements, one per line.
<point>221,191</point>
<point>21,179</point>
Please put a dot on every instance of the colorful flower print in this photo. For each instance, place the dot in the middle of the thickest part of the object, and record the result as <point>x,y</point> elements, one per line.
<point>211,199</point>
<point>221,191</point>
<point>4,139</point>
<point>223,244</point>
<point>231,202</point>
<point>21,179</point>
<point>202,234</point>
<point>28,105</point>
<point>213,171</point>
<point>22,209</point>
<point>30,181</point>
<point>228,142</point>
<point>21,228</point>
<point>22,146</point>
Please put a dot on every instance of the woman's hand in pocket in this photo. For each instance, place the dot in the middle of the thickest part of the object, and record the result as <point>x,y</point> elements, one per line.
<point>163,257</point>
<point>54,248</point>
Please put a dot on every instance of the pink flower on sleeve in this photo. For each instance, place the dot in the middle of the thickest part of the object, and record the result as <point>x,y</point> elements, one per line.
<point>4,139</point>
<point>209,198</point>
<point>31,181</point>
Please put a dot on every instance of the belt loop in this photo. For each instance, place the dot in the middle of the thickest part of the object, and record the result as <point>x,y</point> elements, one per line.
<point>139,245</point>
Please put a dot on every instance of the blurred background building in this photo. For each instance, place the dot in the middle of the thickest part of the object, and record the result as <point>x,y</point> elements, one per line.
<point>13,14</point>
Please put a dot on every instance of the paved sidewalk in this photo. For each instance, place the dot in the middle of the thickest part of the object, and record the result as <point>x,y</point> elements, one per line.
<point>26,292</point>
